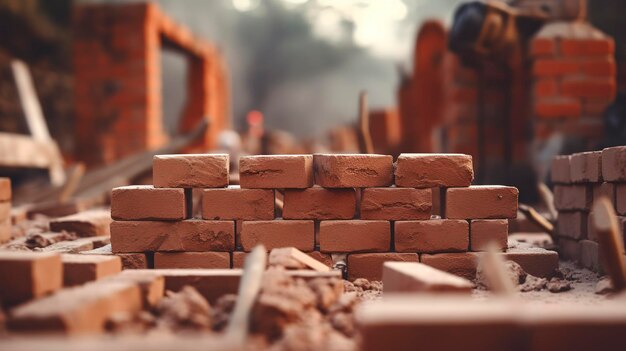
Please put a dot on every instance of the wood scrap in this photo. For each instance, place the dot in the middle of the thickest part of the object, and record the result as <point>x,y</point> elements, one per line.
<point>534,216</point>
<point>611,244</point>
<point>492,265</point>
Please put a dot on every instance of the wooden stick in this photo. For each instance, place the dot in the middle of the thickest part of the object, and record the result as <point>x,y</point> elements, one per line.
<point>249,288</point>
<point>611,244</point>
<point>534,216</point>
<point>493,267</point>
<point>548,198</point>
<point>365,138</point>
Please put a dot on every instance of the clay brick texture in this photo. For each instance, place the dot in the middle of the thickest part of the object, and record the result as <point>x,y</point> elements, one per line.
<point>331,204</point>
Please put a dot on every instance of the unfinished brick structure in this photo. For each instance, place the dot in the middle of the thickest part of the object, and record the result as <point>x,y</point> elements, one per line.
<point>500,115</point>
<point>334,204</point>
<point>580,180</point>
<point>118,81</point>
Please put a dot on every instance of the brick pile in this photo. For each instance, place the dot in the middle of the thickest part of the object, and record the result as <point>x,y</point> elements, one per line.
<point>362,206</point>
<point>5,210</point>
<point>579,180</point>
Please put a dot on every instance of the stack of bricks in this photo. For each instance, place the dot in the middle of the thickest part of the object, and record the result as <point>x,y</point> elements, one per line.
<point>360,205</point>
<point>5,210</point>
<point>579,180</point>
<point>574,80</point>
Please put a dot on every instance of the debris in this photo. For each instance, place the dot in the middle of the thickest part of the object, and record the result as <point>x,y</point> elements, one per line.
<point>183,309</point>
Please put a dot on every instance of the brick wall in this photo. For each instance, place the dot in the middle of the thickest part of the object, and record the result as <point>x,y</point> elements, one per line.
<point>574,80</point>
<point>118,98</point>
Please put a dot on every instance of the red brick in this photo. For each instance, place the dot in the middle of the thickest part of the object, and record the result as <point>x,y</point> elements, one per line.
<point>209,259</point>
<point>236,203</point>
<point>276,171</point>
<point>546,88</point>
<point>190,171</point>
<point>5,189</point>
<point>144,202</point>
<point>605,190</point>
<point>572,225</point>
<point>586,167</point>
<point>590,255</point>
<point>278,233</point>
<point>188,235</point>
<point>481,202</point>
<point>80,310</point>
<point>353,170</point>
<point>434,170</point>
<point>554,67</point>
<point>355,236</point>
<point>370,265</point>
<point>486,231</point>
<point>29,275</point>
<point>396,203</point>
<point>543,47</point>
<point>589,88</point>
<point>461,264</point>
<point>81,269</point>
<point>614,164</point>
<point>573,197</point>
<point>620,203</point>
<point>535,261</point>
<point>319,203</point>
<point>561,107</point>
<point>414,277</point>
<point>587,47</point>
<point>600,67</point>
<point>561,169</point>
<point>436,235</point>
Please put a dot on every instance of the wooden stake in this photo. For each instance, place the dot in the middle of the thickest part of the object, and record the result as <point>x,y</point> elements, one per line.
<point>365,139</point>
<point>493,268</point>
<point>249,287</point>
<point>611,244</point>
<point>536,218</point>
<point>548,198</point>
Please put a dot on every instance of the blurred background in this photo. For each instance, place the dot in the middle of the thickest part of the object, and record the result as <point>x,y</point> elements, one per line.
<point>511,83</point>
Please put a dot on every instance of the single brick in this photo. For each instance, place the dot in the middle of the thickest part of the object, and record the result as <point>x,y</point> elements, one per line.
<point>614,164</point>
<point>355,236</point>
<point>558,108</point>
<point>572,225</point>
<point>587,47</point>
<point>276,171</point>
<point>396,204</point>
<point>81,269</point>
<point>208,259</point>
<point>417,277</point>
<point>28,275</point>
<point>590,255</point>
<point>278,233</point>
<point>436,235</point>
<point>319,203</point>
<point>87,223</point>
<point>484,232</point>
<point>237,203</point>
<point>607,190</point>
<point>535,261</point>
<point>620,198</point>
<point>481,202</point>
<point>461,264</point>
<point>573,197</point>
<point>190,171</point>
<point>5,189</point>
<point>353,170</point>
<point>187,235</point>
<point>586,167</point>
<point>80,310</point>
<point>434,170</point>
<point>144,202</point>
<point>406,322</point>
<point>370,265</point>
